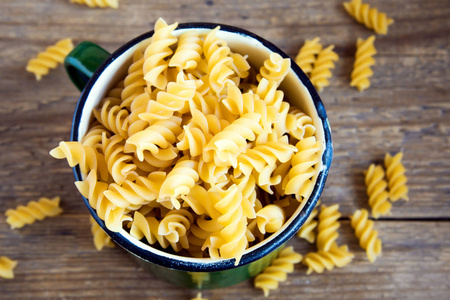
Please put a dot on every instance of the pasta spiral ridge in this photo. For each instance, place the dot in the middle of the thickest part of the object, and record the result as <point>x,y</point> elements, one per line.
<point>327,228</point>
<point>155,54</point>
<point>368,237</point>
<point>7,266</point>
<point>101,239</point>
<point>120,165</point>
<point>322,68</point>
<point>34,210</point>
<point>275,68</point>
<point>307,230</point>
<point>92,190</point>
<point>370,17</point>
<point>113,118</point>
<point>395,173</point>
<point>139,192</point>
<point>189,51</point>
<point>363,61</point>
<point>175,226</point>
<point>306,56</point>
<point>270,218</point>
<point>376,190</point>
<point>201,230</point>
<point>93,138</point>
<point>98,3</point>
<point>299,181</point>
<point>49,58</point>
<point>229,143</point>
<point>267,91</point>
<point>278,270</point>
<point>134,83</point>
<point>299,124</point>
<point>321,260</point>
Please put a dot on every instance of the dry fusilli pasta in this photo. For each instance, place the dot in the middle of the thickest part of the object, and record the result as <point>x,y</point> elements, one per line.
<point>307,54</point>
<point>277,271</point>
<point>363,61</point>
<point>370,17</point>
<point>34,210</point>
<point>98,3</point>
<point>328,226</point>
<point>7,266</point>
<point>368,237</point>
<point>49,58</point>
<point>376,190</point>
<point>322,68</point>
<point>395,174</point>
<point>321,260</point>
<point>307,230</point>
<point>101,239</point>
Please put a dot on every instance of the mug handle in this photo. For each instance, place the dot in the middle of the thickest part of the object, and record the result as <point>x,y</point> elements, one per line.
<point>83,61</point>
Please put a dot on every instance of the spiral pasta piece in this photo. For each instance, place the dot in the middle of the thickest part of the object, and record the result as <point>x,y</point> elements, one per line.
<point>321,260</point>
<point>370,17</point>
<point>327,228</point>
<point>322,68</point>
<point>229,143</point>
<point>299,179</point>
<point>34,210</point>
<point>179,181</point>
<point>158,136</point>
<point>277,272</point>
<point>113,118</point>
<point>298,124</point>
<point>307,230</point>
<point>93,138</point>
<point>368,237</point>
<point>156,53</point>
<point>199,201</point>
<point>270,218</point>
<point>134,83</point>
<point>395,174</point>
<point>376,190</point>
<point>175,225</point>
<point>189,51</point>
<point>267,91</point>
<point>139,192</point>
<point>275,68</point>
<point>97,3</point>
<point>85,156</point>
<point>219,62</point>
<point>49,58</point>
<point>101,239</point>
<point>306,56</point>
<point>93,190</point>
<point>7,266</point>
<point>363,61</point>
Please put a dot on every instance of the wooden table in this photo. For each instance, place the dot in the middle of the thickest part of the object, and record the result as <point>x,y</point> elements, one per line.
<point>406,108</point>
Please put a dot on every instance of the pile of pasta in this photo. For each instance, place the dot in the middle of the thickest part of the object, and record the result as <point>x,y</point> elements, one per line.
<point>187,149</point>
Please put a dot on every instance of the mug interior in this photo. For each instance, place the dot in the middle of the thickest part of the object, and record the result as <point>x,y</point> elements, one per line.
<point>298,91</point>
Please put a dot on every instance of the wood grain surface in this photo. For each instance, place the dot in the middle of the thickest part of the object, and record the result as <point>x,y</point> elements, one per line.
<point>406,108</point>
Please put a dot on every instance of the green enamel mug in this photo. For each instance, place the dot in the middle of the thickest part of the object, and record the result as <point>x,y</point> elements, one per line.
<point>95,71</point>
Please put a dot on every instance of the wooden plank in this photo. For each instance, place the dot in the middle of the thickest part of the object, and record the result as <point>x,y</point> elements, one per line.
<point>64,263</point>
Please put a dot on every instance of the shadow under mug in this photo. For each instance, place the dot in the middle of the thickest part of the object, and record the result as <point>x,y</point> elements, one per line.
<point>95,71</point>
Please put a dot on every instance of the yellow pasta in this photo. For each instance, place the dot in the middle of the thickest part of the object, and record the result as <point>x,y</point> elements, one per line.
<point>370,17</point>
<point>307,230</point>
<point>188,52</point>
<point>307,54</point>
<point>395,174</point>
<point>363,61</point>
<point>322,68</point>
<point>321,260</point>
<point>327,228</point>
<point>98,3</point>
<point>101,239</point>
<point>368,237</point>
<point>277,271</point>
<point>275,68</point>
<point>7,266</point>
<point>376,190</point>
<point>34,210</point>
<point>49,58</point>
<point>134,82</point>
<point>199,297</point>
<point>270,218</point>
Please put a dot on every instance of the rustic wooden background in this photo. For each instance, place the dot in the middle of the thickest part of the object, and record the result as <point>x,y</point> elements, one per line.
<point>406,108</point>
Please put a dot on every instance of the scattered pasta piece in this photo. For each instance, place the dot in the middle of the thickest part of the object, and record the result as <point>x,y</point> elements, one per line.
<point>376,190</point>
<point>26,215</point>
<point>50,58</point>
<point>7,267</point>
<point>322,68</point>
<point>368,237</point>
<point>328,225</point>
<point>101,239</point>
<point>363,61</point>
<point>395,174</point>
<point>307,54</point>
<point>199,297</point>
<point>277,271</point>
<point>370,17</point>
<point>307,230</point>
<point>98,3</point>
<point>321,260</point>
